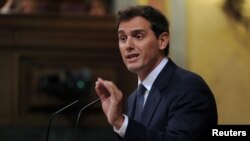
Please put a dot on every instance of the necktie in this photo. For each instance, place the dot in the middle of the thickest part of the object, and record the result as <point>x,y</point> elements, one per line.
<point>139,102</point>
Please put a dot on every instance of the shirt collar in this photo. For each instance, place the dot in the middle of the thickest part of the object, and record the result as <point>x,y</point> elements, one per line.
<point>149,80</point>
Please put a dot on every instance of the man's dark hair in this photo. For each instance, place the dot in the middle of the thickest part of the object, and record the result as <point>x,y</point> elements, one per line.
<point>158,21</point>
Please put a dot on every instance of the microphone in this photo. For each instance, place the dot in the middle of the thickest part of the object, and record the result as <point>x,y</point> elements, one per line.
<point>79,114</point>
<point>56,113</point>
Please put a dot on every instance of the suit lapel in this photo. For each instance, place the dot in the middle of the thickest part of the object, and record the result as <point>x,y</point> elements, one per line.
<point>131,104</point>
<point>152,102</point>
<point>155,94</point>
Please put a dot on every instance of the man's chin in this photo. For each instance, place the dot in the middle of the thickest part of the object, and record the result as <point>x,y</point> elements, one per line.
<point>132,69</point>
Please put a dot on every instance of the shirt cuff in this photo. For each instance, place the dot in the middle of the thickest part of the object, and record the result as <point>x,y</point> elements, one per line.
<point>122,130</point>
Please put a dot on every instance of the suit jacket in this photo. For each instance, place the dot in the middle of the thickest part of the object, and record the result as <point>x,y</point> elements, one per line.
<point>180,107</point>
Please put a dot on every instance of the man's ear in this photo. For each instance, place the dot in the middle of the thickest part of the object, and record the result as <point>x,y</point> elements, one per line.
<point>163,40</point>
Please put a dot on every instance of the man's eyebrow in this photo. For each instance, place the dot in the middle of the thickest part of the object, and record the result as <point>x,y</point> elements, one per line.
<point>120,31</point>
<point>138,31</point>
<point>133,31</point>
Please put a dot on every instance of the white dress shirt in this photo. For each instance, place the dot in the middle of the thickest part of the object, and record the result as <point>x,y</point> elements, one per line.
<point>147,83</point>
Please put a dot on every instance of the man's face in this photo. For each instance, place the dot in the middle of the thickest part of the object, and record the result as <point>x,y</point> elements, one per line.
<point>141,51</point>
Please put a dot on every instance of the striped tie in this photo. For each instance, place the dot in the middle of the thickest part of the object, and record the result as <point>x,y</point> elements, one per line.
<point>139,103</point>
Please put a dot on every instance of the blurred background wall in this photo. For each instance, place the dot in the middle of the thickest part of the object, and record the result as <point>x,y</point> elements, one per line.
<point>218,48</point>
<point>52,37</point>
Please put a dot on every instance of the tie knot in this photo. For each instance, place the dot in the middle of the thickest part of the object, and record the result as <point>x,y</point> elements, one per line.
<point>141,89</point>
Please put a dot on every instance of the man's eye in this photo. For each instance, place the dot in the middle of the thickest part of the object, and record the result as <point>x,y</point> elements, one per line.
<point>122,38</point>
<point>139,36</point>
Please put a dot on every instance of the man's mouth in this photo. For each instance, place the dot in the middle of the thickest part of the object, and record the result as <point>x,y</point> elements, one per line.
<point>132,57</point>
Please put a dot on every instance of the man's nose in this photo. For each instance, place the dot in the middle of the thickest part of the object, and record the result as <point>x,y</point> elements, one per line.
<point>130,44</point>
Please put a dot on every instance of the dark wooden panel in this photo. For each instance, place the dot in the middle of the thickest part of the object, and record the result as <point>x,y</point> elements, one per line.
<point>39,46</point>
<point>33,66</point>
<point>57,31</point>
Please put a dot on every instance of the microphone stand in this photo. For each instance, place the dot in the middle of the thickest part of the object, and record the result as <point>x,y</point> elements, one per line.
<point>54,114</point>
<point>79,114</point>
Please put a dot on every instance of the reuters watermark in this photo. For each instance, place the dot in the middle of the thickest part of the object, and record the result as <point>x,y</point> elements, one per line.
<point>229,133</point>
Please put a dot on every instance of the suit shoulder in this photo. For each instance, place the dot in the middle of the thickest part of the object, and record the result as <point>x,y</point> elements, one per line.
<point>189,85</point>
<point>188,78</point>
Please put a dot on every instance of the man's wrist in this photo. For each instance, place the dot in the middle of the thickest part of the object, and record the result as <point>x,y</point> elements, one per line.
<point>119,122</point>
<point>121,131</point>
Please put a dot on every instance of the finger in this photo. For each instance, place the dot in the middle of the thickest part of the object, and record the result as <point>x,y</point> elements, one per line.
<point>101,90</point>
<point>112,89</point>
<point>104,84</point>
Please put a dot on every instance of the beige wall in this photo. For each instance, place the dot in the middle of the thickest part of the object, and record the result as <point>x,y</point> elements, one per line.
<point>218,49</point>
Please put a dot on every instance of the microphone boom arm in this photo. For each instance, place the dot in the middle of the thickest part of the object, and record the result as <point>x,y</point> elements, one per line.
<point>79,114</point>
<point>54,114</point>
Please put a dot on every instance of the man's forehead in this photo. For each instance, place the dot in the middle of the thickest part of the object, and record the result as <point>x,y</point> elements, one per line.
<point>134,24</point>
<point>130,30</point>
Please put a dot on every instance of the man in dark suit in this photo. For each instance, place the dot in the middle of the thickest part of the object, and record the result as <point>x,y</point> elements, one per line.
<point>171,104</point>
